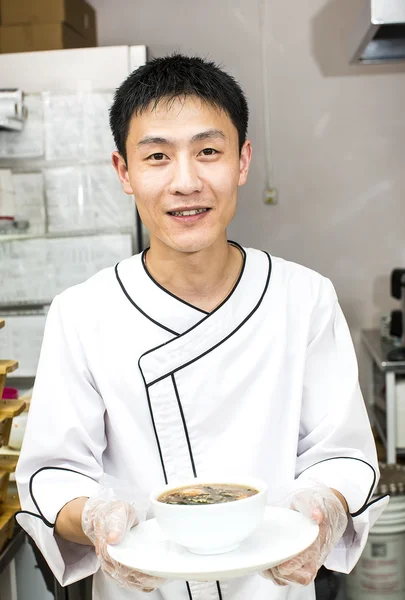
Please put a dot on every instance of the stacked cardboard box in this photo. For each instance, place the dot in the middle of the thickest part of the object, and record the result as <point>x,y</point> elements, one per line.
<point>29,25</point>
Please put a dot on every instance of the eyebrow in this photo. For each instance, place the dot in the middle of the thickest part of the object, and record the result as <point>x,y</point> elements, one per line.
<point>209,134</point>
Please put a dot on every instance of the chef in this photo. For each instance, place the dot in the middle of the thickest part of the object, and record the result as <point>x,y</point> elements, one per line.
<point>194,357</point>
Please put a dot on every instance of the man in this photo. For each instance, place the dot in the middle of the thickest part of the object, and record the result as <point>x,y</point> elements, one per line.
<point>196,356</point>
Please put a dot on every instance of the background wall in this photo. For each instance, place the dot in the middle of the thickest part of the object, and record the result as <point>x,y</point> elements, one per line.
<point>337,131</point>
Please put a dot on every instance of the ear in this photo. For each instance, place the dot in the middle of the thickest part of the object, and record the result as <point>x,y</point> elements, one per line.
<point>244,162</point>
<point>122,172</point>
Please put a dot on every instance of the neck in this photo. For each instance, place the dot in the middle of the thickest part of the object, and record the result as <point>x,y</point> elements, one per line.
<point>202,278</point>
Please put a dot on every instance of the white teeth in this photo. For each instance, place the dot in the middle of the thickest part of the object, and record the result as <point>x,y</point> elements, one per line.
<point>188,213</point>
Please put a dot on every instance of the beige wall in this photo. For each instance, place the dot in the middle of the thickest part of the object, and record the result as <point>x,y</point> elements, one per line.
<point>338,133</point>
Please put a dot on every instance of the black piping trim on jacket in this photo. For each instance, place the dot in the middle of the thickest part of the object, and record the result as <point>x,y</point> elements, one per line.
<point>40,515</point>
<point>164,344</point>
<point>143,260</point>
<point>154,425</point>
<point>216,345</point>
<point>359,512</point>
<point>199,322</point>
<point>192,464</point>
<point>174,381</point>
<point>184,425</point>
<point>137,307</point>
<point>215,309</point>
<point>26,512</point>
<point>181,335</point>
<point>365,505</point>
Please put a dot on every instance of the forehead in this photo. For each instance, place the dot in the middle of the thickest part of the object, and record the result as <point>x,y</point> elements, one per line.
<point>180,117</point>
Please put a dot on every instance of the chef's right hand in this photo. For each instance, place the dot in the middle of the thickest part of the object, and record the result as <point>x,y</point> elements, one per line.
<point>106,522</point>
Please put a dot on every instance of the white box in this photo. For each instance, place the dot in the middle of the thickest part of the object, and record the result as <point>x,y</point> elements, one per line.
<point>400,395</point>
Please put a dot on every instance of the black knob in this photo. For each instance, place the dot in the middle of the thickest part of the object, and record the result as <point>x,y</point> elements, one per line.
<point>396,327</point>
<point>397,283</point>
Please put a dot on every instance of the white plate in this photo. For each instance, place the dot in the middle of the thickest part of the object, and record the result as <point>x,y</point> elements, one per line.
<point>282,534</point>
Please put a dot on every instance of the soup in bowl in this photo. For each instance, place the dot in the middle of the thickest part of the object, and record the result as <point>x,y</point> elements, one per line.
<point>210,516</point>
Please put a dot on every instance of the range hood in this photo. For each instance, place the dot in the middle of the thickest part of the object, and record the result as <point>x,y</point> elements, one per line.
<point>379,36</point>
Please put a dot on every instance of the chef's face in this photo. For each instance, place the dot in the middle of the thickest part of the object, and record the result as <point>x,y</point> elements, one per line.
<point>184,156</point>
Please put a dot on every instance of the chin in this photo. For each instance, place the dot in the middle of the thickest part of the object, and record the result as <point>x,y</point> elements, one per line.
<point>192,244</point>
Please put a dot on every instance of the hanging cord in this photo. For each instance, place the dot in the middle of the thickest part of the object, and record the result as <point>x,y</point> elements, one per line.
<point>269,186</point>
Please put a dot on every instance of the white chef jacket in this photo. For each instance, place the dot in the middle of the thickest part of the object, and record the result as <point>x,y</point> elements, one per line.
<point>136,383</point>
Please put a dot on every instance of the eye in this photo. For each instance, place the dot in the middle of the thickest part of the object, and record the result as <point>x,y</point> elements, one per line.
<point>157,156</point>
<point>209,152</point>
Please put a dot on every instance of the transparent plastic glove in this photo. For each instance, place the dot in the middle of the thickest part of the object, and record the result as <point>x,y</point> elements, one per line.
<point>319,503</point>
<point>106,521</point>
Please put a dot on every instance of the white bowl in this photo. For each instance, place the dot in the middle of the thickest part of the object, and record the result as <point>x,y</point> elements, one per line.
<point>213,528</point>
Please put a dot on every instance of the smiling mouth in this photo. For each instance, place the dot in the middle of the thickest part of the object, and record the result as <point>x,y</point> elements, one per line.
<point>188,213</point>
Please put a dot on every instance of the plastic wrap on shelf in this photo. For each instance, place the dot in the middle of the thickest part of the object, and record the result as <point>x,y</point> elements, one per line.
<point>23,338</point>
<point>28,143</point>
<point>35,270</point>
<point>25,271</point>
<point>64,126</point>
<point>111,206</point>
<point>98,137</point>
<point>65,202</point>
<point>79,258</point>
<point>7,208</point>
<point>29,201</point>
<point>87,198</point>
<point>77,125</point>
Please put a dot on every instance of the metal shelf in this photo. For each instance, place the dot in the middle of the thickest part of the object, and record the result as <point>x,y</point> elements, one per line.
<point>40,163</point>
<point>379,350</point>
<point>134,231</point>
<point>379,424</point>
<point>380,404</point>
<point>27,306</point>
<point>69,234</point>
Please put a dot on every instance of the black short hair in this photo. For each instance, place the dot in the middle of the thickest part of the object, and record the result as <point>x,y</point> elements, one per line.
<point>172,77</point>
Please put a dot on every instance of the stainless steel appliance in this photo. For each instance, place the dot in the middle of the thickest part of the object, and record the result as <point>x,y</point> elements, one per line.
<point>379,34</point>
<point>397,317</point>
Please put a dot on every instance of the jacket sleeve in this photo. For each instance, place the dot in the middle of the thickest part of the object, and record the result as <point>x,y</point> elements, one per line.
<point>336,445</point>
<point>61,456</point>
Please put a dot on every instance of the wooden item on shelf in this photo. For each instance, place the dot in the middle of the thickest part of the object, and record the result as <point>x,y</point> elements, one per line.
<point>8,463</point>
<point>6,527</point>
<point>12,498</point>
<point>8,410</point>
<point>11,408</point>
<point>4,479</point>
<point>27,402</point>
<point>9,501</point>
<point>6,367</point>
<point>5,430</point>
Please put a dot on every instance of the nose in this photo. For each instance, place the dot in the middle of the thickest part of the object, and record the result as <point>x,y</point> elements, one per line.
<point>185,179</point>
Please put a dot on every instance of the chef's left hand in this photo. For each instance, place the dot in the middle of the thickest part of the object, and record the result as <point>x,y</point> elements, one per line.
<point>326,507</point>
